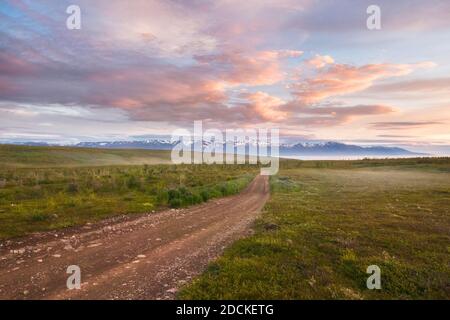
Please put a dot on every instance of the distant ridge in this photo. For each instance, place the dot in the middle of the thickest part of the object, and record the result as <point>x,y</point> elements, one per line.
<point>297,149</point>
<point>341,149</point>
<point>153,144</point>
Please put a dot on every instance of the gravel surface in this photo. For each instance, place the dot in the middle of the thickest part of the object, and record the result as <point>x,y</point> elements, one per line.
<point>140,257</point>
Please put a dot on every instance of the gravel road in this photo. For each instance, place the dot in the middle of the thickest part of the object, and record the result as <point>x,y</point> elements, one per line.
<point>147,256</point>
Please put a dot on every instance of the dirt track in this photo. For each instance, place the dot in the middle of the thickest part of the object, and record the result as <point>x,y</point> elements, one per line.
<point>141,257</point>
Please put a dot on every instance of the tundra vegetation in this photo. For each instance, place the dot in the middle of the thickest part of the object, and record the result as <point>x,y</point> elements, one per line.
<point>37,193</point>
<point>327,221</point>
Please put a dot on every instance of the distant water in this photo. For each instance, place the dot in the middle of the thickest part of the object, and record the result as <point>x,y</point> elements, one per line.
<point>344,157</point>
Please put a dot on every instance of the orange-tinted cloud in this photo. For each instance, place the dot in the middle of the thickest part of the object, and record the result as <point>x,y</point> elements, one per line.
<point>239,68</point>
<point>266,106</point>
<point>332,115</point>
<point>413,86</point>
<point>404,125</point>
<point>340,79</point>
<point>320,61</point>
<point>289,53</point>
<point>179,61</point>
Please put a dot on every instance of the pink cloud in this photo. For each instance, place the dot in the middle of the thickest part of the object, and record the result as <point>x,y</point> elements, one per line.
<point>149,88</point>
<point>6,87</point>
<point>332,115</point>
<point>239,68</point>
<point>13,66</point>
<point>340,79</point>
<point>404,125</point>
<point>262,107</point>
<point>266,106</point>
<point>320,61</point>
<point>188,61</point>
<point>414,86</point>
<point>289,53</point>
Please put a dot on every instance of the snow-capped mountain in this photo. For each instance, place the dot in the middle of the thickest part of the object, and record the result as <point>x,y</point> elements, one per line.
<point>341,149</point>
<point>319,149</point>
<point>153,144</point>
<point>298,149</point>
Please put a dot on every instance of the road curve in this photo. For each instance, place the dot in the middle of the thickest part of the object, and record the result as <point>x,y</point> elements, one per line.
<point>142,257</point>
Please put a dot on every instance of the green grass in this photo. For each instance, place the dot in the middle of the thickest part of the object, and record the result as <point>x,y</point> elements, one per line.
<point>46,188</point>
<point>327,221</point>
<point>12,156</point>
<point>39,199</point>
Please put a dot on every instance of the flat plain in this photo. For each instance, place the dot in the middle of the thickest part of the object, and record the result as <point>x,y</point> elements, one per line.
<point>327,221</point>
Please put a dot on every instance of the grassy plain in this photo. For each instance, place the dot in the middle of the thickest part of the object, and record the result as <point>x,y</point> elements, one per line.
<point>327,221</point>
<point>50,188</point>
<point>13,156</point>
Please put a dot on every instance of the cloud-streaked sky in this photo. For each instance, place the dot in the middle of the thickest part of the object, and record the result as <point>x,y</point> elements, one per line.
<point>308,67</point>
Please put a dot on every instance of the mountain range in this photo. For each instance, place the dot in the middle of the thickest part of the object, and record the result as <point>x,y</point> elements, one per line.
<point>297,149</point>
<point>329,148</point>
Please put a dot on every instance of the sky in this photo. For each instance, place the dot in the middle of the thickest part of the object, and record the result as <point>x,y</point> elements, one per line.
<point>311,68</point>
